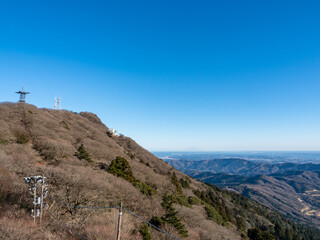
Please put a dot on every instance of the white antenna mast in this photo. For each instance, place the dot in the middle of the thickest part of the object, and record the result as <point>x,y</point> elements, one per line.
<point>57,102</point>
<point>59,106</point>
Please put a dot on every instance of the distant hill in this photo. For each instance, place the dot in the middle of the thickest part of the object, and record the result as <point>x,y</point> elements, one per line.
<point>86,165</point>
<point>240,166</point>
<point>219,179</point>
<point>292,189</point>
<point>256,156</point>
<point>296,194</point>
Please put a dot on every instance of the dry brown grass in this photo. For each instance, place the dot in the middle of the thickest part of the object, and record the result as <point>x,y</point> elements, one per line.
<point>25,229</point>
<point>54,136</point>
<point>104,226</point>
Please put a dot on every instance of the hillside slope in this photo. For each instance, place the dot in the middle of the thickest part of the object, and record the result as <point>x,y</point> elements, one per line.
<point>293,193</point>
<point>86,165</point>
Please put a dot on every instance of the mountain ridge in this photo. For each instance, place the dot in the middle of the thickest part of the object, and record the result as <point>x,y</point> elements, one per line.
<point>240,166</point>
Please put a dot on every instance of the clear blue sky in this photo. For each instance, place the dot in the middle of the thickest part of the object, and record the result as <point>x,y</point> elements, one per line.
<point>173,75</point>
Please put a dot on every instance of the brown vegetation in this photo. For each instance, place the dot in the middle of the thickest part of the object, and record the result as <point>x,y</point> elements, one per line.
<point>48,142</point>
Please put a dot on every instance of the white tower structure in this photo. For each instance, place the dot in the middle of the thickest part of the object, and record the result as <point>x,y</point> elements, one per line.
<point>57,102</point>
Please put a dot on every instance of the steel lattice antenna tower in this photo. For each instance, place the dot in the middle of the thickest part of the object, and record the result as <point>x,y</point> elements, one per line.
<point>22,95</point>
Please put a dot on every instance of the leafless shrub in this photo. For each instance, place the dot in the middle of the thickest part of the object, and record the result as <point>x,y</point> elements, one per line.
<point>5,185</point>
<point>6,135</point>
<point>13,229</point>
<point>52,149</point>
<point>22,136</point>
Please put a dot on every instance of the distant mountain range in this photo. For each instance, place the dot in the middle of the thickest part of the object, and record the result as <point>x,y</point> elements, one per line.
<point>240,166</point>
<point>292,189</point>
<point>256,156</point>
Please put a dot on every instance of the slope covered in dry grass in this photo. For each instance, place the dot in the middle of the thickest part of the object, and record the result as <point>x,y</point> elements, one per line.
<point>46,142</point>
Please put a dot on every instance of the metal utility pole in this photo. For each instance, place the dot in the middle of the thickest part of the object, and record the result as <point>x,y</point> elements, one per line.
<point>119,222</point>
<point>34,203</point>
<point>41,201</point>
<point>38,201</point>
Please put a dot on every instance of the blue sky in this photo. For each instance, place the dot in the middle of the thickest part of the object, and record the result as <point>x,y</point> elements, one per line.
<point>173,75</point>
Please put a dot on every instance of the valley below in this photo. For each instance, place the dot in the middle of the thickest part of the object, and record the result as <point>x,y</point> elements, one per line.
<point>293,189</point>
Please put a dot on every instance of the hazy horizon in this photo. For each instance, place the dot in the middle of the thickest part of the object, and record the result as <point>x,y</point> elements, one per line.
<point>235,151</point>
<point>261,156</point>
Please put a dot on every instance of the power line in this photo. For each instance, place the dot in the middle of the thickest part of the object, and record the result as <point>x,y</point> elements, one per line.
<point>77,206</point>
<point>150,224</point>
<point>65,226</point>
<point>115,207</point>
